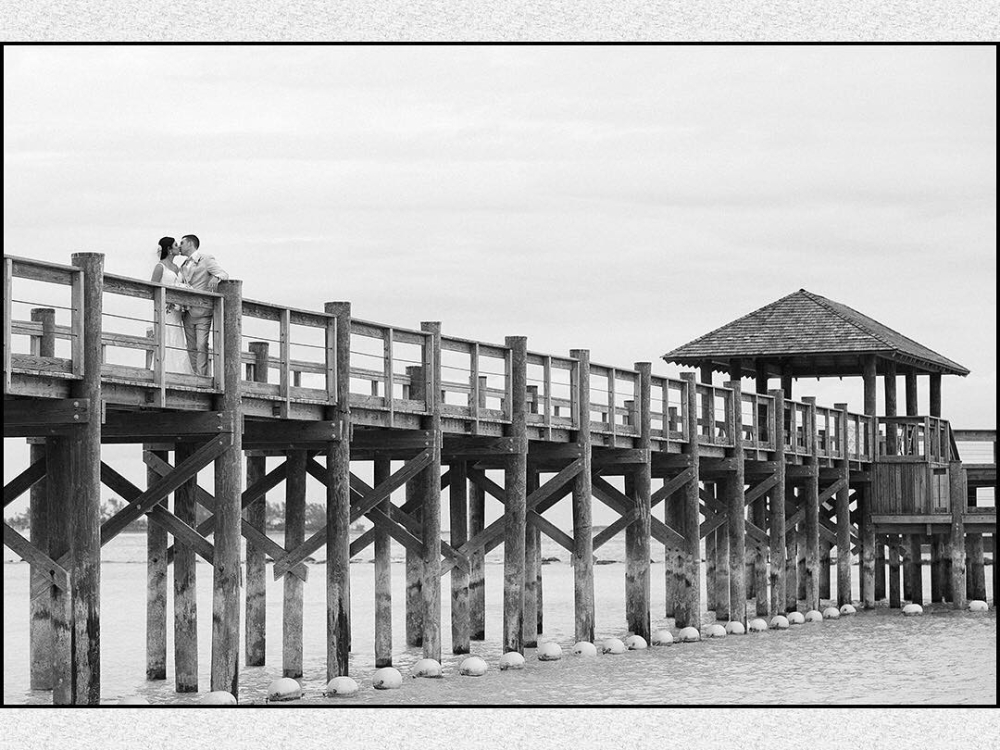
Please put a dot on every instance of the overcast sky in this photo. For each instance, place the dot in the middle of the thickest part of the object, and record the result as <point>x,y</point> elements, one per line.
<point>621,199</point>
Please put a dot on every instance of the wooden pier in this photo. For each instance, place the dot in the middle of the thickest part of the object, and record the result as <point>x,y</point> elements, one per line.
<point>772,485</point>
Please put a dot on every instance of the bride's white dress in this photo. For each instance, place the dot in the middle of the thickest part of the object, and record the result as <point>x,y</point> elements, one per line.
<point>176,358</point>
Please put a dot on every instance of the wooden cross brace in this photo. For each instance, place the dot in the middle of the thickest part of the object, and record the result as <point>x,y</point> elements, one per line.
<point>624,506</point>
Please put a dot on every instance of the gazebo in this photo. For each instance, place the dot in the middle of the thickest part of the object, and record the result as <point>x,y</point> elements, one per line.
<point>806,335</point>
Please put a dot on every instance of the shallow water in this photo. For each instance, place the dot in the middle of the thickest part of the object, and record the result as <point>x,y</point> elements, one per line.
<point>879,656</point>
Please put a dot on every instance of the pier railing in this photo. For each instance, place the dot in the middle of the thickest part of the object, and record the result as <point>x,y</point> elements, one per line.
<point>914,439</point>
<point>290,355</point>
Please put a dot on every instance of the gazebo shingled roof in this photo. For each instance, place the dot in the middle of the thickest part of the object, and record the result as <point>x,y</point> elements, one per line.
<point>807,335</point>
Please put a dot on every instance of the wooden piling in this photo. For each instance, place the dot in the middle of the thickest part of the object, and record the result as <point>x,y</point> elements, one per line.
<point>477,582</point>
<point>736,506</point>
<point>255,628</point>
<point>185,584</point>
<point>85,522</point>
<point>723,590</point>
<point>906,564</point>
<point>458,498</point>
<point>917,560</point>
<point>39,607</point>
<point>800,558</point>
<point>156,587</point>
<point>431,477</point>
<point>957,492</point>
<point>583,541</point>
<point>776,507</point>
<point>894,570</point>
<point>295,534</point>
<point>792,554</point>
<point>415,491</point>
<point>880,568</point>
<point>842,509</point>
<point>889,381</point>
<point>688,610</point>
<point>40,598</point>
<point>811,502</point>
<point>532,573</point>
<point>637,534</point>
<point>338,506</point>
<point>869,555</point>
<point>515,509</point>
<point>228,508</point>
<point>937,587</point>
<point>711,564</point>
<point>935,394</point>
<point>477,522</point>
<point>976,571</point>
<point>825,559</point>
<point>59,489</point>
<point>383,573</point>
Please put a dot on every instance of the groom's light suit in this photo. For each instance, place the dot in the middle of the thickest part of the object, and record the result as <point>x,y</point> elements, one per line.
<point>203,272</point>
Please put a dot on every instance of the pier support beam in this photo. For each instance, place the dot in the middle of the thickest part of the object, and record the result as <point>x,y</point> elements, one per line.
<point>156,588</point>
<point>431,477</point>
<point>415,497</point>
<point>383,573</point>
<point>458,502</point>
<point>917,561</point>
<point>880,568</point>
<point>39,608</point>
<point>776,504</point>
<point>477,578</point>
<point>976,568</point>
<point>958,489</point>
<point>637,545</point>
<point>583,538</point>
<point>85,510</point>
<point>40,604</point>
<point>736,506</point>
<point>532,573</point>
<point>688,609</point>
<point>338,505</point>
<point>811,497</point>
<point>295,534</point>
<point>228,508</point>
<point>792,552</point>
<point>895,601</point>
<point>255,628</point>
<point>185,584</point>
<point>60,483</point>
<point>937,572</point>
<point>842,508</point>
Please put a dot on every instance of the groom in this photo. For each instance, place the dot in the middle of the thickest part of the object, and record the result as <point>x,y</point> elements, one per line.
<point>203,272</point>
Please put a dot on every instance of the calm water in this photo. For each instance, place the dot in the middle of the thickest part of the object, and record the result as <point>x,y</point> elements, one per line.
<point>879,656</point>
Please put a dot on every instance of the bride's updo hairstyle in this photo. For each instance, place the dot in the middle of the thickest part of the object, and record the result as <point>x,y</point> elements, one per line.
<point>165,244</point>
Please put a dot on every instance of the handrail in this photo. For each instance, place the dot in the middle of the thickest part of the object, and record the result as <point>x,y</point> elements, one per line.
<point>914,438</point>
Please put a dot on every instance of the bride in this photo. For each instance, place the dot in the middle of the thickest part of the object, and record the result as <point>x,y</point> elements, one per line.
<point>168,273</point>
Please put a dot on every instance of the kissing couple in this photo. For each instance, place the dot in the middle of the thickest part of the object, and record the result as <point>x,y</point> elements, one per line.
<point>184,264</point>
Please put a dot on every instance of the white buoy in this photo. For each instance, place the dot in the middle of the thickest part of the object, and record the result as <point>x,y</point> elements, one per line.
<point>341,686</point>
<point>426,668</point>
<point>549,651</point>
<point>511,660</point>
<point>848,609</point>
<point>635,643</point>
<point>585,648</point>
<point>796,618</point>
<point>978,605</point>
<point>757,625</point>
<point>733,627</point>
<point>284,689</point>
<point>779,622</point>
<point>663,638</point>
<point>814,615</point>
<point>715,630</point>
<point>831,613</point>
<point>913,609</point>
<point>219,698</point>
<point>689,635</point>
<point>472,666</point>
<point>612,646</point>
<point>387,678</point>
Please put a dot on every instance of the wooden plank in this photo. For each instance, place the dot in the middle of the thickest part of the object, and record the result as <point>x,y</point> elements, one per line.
<point>184,532</point>
<point>459,448</point>
<point>23,481</point>
<point>620,456</point>
<point>761,489</point>
<point>152,427</point>
<point>19,414</point>
<point>56,574</point>
<point>671,486</point>
<point>285,432</point>
<point>548,528</point>
<point>614,528</point>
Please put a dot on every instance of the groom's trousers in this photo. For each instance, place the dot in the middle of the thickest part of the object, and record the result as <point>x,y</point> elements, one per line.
<point>196,329</point>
